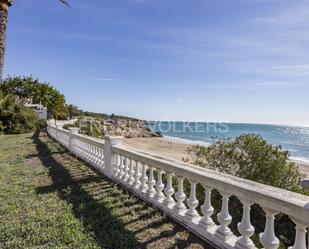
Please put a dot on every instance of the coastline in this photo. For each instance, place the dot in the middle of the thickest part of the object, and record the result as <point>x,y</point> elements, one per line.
<point>176,148</point>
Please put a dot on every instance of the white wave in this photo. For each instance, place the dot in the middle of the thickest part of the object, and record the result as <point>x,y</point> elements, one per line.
<point>300,159</point>
<point>187,141</point>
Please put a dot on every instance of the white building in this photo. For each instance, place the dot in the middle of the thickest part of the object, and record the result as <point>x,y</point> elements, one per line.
<point>40,110</point>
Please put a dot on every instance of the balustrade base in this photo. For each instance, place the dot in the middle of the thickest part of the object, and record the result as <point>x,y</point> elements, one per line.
<point>249,246</point>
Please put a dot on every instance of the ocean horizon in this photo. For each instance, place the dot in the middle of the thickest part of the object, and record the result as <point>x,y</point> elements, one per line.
<point>294,139</point>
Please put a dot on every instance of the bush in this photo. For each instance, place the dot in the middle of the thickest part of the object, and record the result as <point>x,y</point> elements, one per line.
<point>249,156</point>
<point>14,117</point>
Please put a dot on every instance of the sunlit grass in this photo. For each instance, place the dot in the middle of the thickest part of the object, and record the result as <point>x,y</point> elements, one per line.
<point>48,199</point>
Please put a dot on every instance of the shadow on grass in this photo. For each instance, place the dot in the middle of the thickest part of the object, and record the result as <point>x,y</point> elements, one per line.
<point>109,232</point>
<point>94,200</point>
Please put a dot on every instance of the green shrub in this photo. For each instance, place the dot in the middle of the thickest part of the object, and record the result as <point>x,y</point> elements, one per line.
<point>14,117</point>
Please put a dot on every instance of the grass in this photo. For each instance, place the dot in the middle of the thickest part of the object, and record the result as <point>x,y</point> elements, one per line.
<point>49,199</point>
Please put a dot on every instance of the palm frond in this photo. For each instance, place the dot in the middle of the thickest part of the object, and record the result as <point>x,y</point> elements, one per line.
<point>65,3</point>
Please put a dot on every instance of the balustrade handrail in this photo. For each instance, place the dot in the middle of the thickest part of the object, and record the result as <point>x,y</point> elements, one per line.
<point>91,140</point>
<point>290,203</point>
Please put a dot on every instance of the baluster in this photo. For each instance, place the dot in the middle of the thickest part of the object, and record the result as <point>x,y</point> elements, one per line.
<point>224,218</point>
<point>180,196</point>
<point>77,147</point>
<point>131,172</point>
<point>121,168</point>
<point>81,149</point>
<point>268,238</point>
<point>300,238</point>
<point>159,187</point>
<point>96,156</point>
<point>126,169</point>
<point>137,176</point>
<point>144,186</point>
<point>169,191</point>
<point>192,202</point>
<point>151,183</point>
<point>116,169</point>
<point>85,151</point>
<point>102,157</point>
<point>245,228</point>
<point>91,153</point>
<point>88,152</point>
<point>207,209</point>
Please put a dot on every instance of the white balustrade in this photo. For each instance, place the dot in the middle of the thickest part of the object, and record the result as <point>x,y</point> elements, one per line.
<point>116,169</point>
<point>131,172</point>
<point>169,191</point>
<point>192,202</point>
<point>144,179</point>
<point>159,187</point>
<point>137,176</point>
<point>268,238</point>
<point>126,169</point>
<point>245,228</point>
<point>136,170</point>
<point>224,218</point>
<point>151,183</point>
<point>300,239</point>
<point>121,167</point>
<point>207,209</point>
<point>180,197</point>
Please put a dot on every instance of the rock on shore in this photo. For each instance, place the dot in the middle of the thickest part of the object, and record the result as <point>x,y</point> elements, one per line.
<point>126,127</point>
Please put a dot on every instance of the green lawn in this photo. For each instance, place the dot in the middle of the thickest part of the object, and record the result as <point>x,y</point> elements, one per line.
<point>49,199</point>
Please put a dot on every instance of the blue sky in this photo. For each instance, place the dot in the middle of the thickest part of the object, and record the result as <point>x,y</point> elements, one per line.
<point>205,60</point>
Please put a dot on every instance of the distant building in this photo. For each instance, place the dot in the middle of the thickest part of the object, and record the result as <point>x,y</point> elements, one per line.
<point>39,109</point>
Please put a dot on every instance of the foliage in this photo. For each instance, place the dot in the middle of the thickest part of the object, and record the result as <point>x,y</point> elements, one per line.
<point>14,117</point>
<point>58,109</point>
<point>249,156</point>
<point>87,126</point>
<point>40,93</point>
<point>73,111</point>
<point>106,116</point>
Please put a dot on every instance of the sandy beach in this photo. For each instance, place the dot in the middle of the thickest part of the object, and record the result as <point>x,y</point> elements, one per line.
<point>177,149</point>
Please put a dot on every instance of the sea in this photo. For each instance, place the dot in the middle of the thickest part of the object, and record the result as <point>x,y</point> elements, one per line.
<point>291,138</point>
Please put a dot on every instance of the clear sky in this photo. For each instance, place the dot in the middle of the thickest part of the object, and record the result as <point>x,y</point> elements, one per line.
<point>206,60</point>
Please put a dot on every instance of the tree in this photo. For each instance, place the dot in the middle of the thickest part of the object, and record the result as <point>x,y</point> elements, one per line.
<point>73,111</point>
<point>4,7</point>
<point>23,87</point>
<point>41,93</point>
<point>58,109</point>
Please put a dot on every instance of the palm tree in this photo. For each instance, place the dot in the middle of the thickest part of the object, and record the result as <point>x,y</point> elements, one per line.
<point>4,7</point>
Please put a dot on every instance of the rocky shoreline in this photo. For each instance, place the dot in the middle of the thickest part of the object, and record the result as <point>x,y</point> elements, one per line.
<point>126,127</point>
